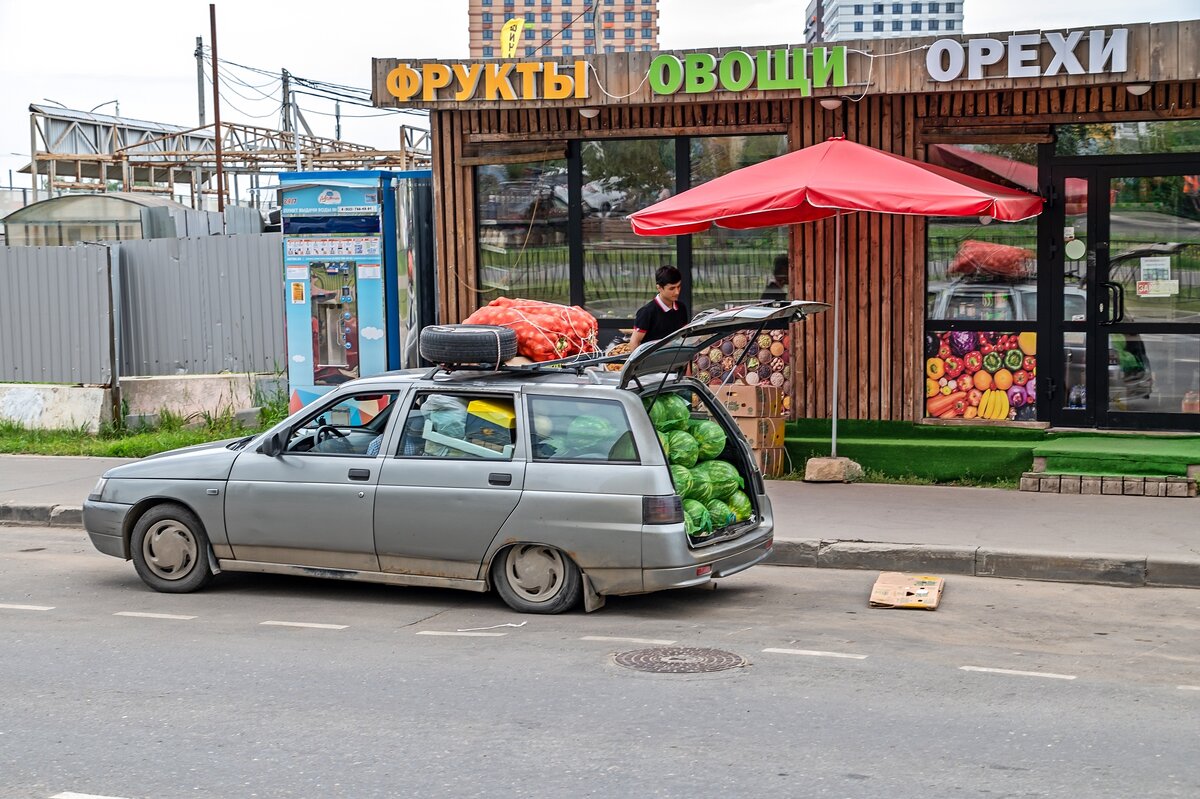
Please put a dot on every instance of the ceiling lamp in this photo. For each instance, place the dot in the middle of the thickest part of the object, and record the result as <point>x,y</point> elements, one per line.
<point>830,103</point>
<point>589,113</point>
<point>1137,89</point>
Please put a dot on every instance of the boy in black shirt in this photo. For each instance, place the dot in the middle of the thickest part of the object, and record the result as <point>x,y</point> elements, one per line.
<point>664,314</point>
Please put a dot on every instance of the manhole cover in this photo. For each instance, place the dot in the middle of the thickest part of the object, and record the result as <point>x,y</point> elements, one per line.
<point>679,660</point>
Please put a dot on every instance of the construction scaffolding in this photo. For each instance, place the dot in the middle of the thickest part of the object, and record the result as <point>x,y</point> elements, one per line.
<point>82,151</point>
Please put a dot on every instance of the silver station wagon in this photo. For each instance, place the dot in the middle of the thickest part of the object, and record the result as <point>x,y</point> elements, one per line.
<point>548,483</point>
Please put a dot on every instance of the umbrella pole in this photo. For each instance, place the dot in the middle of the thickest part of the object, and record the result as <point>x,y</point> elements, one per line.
<point>837,312</point>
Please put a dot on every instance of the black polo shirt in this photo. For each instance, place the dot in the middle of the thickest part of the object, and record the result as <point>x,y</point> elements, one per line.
<point>657,320</point>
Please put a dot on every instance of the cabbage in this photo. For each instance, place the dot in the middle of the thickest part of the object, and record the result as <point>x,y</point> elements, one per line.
<point>720,514</point>
<point>701,488</point>
<point>683,448</point>
<point>740,504</point>
<point>668,412</point>
<point>722,476</point>
<point>709,436</point>
<point>699,516</point>
<point>681,478</point>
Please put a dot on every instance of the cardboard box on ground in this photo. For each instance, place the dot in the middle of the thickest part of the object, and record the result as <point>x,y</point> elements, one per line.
<point>900,590</point>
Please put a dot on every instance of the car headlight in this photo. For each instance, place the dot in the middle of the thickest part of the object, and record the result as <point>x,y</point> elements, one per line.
<point>98,491</point>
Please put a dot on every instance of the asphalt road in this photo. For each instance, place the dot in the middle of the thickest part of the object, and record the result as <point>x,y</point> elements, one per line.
<point>1009,689</point>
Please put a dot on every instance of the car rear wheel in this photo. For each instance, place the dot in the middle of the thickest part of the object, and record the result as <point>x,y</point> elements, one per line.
<point>532,578</point>
<point>170,549</point>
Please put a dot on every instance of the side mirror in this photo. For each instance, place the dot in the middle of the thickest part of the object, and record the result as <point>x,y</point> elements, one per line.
<point>275,445</point>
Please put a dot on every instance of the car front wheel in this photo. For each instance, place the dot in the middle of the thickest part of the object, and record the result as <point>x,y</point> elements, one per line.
<point>533,578</point>
<point>170,549</point>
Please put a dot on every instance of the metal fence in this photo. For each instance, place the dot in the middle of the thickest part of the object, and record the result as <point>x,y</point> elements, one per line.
<point>140,308</point>
<point>55,314</point>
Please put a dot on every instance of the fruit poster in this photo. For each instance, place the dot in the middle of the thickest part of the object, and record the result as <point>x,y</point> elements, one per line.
<point>981,375</point>
<point>746,359</point>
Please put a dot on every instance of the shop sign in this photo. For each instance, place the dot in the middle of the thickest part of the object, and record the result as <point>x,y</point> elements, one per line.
<point>324,200</point>
<point>1021,54</point>
<point>490,80</point>
<point>798,70</point>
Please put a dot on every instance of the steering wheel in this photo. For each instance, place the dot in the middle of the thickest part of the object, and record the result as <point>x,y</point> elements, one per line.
<point>326,432</point>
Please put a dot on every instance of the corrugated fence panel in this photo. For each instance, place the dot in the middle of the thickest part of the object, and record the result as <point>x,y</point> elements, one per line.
<point>202,305</point>
<point>54,314</point>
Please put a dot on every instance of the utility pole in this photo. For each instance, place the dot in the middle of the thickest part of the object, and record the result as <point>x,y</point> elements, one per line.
<point>199,77</point>
<point>337,116</point>
<point>286,105</point>
<point>212,18</point>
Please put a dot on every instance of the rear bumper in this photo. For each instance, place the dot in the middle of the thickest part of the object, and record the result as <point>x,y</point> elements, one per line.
<point>730,559</point>
<point>105,525</point>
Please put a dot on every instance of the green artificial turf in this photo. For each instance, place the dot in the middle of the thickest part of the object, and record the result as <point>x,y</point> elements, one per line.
<point>939,460</point>
<point>1151,456</point>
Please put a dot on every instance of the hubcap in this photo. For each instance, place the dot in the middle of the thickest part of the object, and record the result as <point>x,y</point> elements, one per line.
<point>535,572</point>
<point>170,550</point>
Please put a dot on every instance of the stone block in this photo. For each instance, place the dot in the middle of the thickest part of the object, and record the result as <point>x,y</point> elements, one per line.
<point>794,552</point>
<point>66,516</point>
<point>1177,487</point>
<point>1070,484</point>
<point>929,558</point>
<point>24,514</point>
<point>1155,487</point>
<point>1176,572</point>
<point>1030,483</point>
<point>1061,567</point>
<point>248,416</point>
<point>1112,485</point>
<point>1089,485</point>
<point>1039,464</point>
<point>1193,471</point>
<point>1133,486</point>
<point>1049,483</point>
<point>831,470</point>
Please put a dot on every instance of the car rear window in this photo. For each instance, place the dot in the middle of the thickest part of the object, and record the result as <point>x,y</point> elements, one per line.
<point>581,430</point>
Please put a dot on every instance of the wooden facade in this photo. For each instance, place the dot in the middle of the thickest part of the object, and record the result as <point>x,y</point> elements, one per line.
<point>901,110</point>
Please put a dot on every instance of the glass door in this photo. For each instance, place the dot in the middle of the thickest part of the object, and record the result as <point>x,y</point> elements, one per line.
<point>1124,289</point>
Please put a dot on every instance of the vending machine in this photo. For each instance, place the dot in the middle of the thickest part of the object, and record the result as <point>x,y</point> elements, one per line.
<point>359,274</point>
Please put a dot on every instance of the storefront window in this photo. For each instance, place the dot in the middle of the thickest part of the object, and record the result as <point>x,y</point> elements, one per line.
<point>730,267</point>
<point>522,216</point>
<point>620,177</point>
<point>1128,138</point>
<point>981,297</point>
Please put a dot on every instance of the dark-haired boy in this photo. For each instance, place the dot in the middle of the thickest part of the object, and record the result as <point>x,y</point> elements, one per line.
<point>664,314</point>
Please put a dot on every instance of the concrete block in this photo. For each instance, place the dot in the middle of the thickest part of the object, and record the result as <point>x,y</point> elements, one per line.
<point>1049,483</point>
<point>1030,483</point>
<point>1193,471</point>
<point>248,416</point>
<point>1133,486</point>
<point>1156,487</point>
<point>1039,464</point>
<point>195,395</point>
<point>66,516</point>
<point>1089,485</point>
<point>1112,485</point>
<point>1176,572</point>
<point>37,406</point>
<point>12,513</point>
<point>794,552</point>
<point>135,421</point>
<point>1070,484</point>
<point>831,470</point>
<point>1057,567</point>
<point>1177,487</point>
<point>897,557</point>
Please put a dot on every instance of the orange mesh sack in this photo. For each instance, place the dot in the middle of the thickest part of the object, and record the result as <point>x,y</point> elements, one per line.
<point>545,330</point>
<point>985,259</point>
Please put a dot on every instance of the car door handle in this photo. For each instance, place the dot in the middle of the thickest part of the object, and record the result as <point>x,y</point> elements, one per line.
<point>360,474</point>
<point>500,479</point>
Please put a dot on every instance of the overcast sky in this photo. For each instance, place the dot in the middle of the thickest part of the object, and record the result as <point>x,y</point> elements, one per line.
<point>140,52</point>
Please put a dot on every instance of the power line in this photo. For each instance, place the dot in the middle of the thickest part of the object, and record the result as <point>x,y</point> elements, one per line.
<point>590,7</point>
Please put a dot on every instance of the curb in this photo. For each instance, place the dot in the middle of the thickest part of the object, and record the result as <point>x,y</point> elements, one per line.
<point>1106,569</point>
<point>1099,569</point>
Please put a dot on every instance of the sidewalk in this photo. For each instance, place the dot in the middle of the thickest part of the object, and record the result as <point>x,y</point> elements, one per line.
<point>985,532</point>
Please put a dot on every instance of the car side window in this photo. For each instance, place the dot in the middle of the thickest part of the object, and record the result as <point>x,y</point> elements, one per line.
<point>352,425</point>
<point>460,426</point>
<point>982,303</point>
<point>581,430</point>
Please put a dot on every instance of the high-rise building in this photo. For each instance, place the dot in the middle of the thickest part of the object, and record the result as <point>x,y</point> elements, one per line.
<point>565,27</point>
<point>834,20</point>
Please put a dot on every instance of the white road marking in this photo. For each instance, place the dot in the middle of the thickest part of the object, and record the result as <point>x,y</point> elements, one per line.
<point>138,615</point>
<point>1188,687</point>
<point>73,795</point>
<point>1046,674</point>
<point>311,625</point>
<point>462,635</point>
<point>25,607</point>
<point>659,641</point>
<point>816,653</point>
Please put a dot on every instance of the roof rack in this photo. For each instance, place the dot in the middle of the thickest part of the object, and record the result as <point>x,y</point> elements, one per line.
<point>574,363</point>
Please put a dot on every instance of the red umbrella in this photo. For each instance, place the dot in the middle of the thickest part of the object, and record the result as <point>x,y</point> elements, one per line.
<point>990,166</point>
<point>833,178</point>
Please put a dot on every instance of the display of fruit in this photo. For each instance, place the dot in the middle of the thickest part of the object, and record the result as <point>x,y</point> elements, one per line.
<point>994,405</point>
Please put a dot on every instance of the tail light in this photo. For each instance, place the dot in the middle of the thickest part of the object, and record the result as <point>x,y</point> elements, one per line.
<point>662,510</point>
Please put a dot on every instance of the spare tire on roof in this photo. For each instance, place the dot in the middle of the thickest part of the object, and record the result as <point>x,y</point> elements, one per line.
<point>486,344</point>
